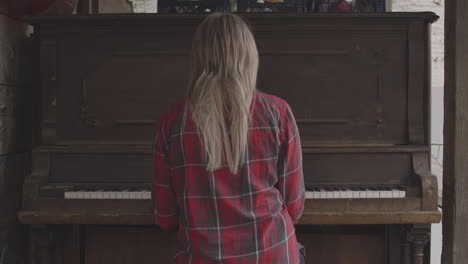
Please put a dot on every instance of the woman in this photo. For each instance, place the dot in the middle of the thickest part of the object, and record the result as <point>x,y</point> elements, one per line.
<point>227,159</point>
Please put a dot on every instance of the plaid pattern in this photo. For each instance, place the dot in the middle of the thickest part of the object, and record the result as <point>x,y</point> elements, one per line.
<point>225,218</point>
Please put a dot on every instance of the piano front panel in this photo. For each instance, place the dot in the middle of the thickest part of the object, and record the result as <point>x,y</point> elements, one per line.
<point>100,168</point>
<point>114,93</point>
<point>147,245</point>
<point>359,71</point>
<point>357,169</point>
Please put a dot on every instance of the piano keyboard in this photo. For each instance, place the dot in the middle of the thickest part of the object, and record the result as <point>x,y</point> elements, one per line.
<point>352,194</point>
<point>142,195</point>
<point>316,194</point>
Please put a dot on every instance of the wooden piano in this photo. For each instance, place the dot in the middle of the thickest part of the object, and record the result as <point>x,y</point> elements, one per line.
<point>359,85</point>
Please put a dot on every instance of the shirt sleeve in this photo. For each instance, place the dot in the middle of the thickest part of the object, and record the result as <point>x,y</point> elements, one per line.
<point>290,174</point>
<point>162,194</point>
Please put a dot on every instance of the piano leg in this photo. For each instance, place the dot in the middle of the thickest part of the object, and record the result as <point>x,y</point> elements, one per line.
<point>405,247</point>
<point>42,244</point>
<point>3,238</point>
<point>418,236</point>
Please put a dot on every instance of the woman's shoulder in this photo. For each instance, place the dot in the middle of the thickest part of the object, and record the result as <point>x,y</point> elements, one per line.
<point>270,99</point>
<point>174,109</point>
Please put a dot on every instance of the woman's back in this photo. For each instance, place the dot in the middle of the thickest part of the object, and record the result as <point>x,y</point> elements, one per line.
<point>221,217</point>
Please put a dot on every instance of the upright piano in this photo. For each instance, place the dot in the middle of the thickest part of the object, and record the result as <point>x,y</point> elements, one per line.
<point>358,84</point>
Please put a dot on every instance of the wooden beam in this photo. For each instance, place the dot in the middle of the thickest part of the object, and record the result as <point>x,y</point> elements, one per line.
<point>14,132</point>
<point>455,196</point>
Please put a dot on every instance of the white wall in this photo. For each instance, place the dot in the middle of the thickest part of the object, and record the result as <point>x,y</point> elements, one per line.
<point>437,106</point>
<point>144,6</point>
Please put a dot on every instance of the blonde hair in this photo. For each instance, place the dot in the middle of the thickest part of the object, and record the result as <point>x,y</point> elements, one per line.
<point>222,83</point>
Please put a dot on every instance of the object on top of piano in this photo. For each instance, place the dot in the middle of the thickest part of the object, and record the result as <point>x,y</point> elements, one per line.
<point>370,5</point>
<point>345,5</point>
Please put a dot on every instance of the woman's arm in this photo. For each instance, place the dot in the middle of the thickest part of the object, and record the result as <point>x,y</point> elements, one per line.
<point>163,196</point>
<point>290,174</point>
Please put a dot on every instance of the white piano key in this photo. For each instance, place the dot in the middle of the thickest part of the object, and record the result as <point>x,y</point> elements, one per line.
<point>138,195</point>
<point>315,195</point>
<point>388,194</point>
<point>118,195</point>
<point>342,194</point>
<point>336,194</point>
<point>362,194</point>
<point>382,194</point>
<point>319,194</point>
<point>323,194</point>
<point>79,195</point>
<point>355,194</point>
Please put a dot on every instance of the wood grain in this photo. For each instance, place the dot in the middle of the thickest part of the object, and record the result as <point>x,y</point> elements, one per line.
<point>455,196</point>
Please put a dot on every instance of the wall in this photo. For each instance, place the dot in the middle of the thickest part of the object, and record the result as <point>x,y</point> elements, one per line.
<point>114,6</point>
<point>437,93</point>
<point>124,6</point>
<point>144,6</point>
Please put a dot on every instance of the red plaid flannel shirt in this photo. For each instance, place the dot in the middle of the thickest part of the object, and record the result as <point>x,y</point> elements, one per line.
<point>228,218</point>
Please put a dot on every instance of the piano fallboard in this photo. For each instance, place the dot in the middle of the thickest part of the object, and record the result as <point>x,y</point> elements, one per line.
<point>351,166</point>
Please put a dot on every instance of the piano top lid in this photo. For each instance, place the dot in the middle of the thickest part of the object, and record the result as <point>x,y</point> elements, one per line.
<point>339,17</point>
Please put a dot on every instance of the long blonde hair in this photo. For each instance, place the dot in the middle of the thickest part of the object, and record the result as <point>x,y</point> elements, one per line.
<point>222,83</point>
